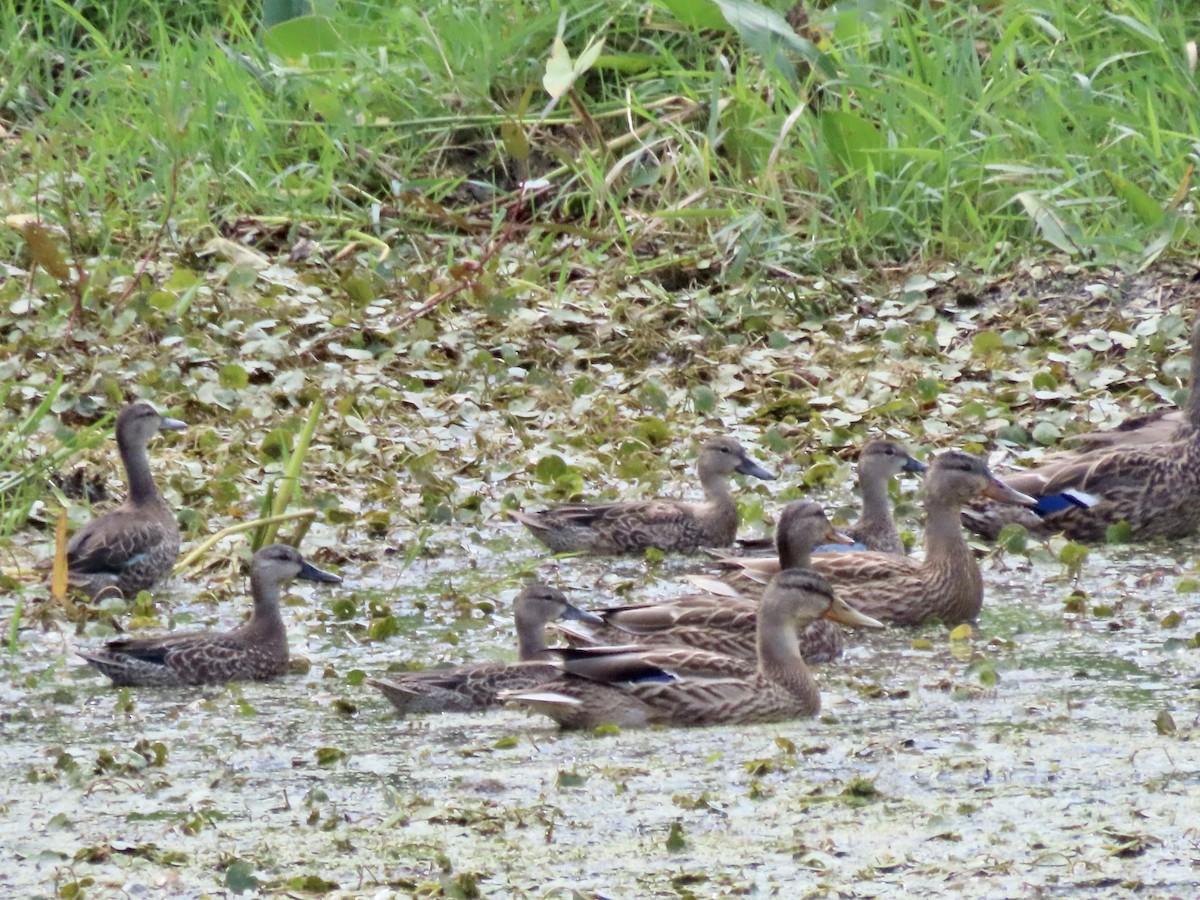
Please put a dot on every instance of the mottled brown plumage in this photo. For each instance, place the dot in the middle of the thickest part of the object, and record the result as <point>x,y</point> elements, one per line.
<point>682,686</point>
<point>135,545</point>
<point>255,651</point>
<point>637,525</point>
<point>718,622</point>
<point>1147,475</point>
<point>879,462</point>
<point>472,688</point>
<point>947,584</point>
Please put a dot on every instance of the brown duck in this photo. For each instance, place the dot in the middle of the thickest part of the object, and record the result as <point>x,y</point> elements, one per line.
<point>879,462</point>
<point>947,583</point>
<point>637,525</point>
<point>255,651</point>
<point>717,621</point>
<point>475,687</point>
<point>634,688</point>
<point>135,545</point>
<point>1147,476</point>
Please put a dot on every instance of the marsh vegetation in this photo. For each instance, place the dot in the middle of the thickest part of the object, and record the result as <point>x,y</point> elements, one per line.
<point>957,226</point>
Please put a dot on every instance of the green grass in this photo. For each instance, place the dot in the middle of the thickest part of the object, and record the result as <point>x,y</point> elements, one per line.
<point>24,475</point>
<point>976,135</point>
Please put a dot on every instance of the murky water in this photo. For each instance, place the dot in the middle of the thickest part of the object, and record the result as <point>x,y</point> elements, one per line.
<point>1036,759</point>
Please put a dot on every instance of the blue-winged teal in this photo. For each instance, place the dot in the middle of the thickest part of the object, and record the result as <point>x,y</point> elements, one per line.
<point>683,686</point>
<point>718,622</point>
<point>474,687</point>
<point>130,548</point>
<point>637,525</point>
<point>947,584</point>
<point>1147,475</point>
<point>255,651</point>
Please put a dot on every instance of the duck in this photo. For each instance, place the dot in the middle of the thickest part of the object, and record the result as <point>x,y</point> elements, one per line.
<point>472,688</point>
<point>634,687</point>
<point>720,621</point>
<point>254,651</point>
<point>1147,476</point>
<point>879,462</point>
<point>634,526</point>
<point>902,591</point>
<point>134,546</point>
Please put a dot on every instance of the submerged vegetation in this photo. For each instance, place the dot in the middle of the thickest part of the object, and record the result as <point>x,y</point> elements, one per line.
<point>407,266</point>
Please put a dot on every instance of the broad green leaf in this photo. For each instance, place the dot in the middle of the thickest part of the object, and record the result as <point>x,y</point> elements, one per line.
<point>1046,433</point>
<point>1053,227</point>
<point>766,32</point>
<point>303,36</point>
<point>676,842</point>
<point>239,877</point>
<point>275,12</point>
<point>851,139</point>
<point>986,342</point>
<point>699,15</point>
<point>1143,205</point>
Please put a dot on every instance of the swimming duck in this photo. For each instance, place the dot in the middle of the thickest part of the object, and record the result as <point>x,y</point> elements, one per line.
<point>255,651</point>
<point>134,546</point>
<point>474,687</point>
<point>718,621</point>
<point>636,687</point>
<point>637,525</point>
<point>898,590</point>
<point>880,461</point>
<point>1137,477</point>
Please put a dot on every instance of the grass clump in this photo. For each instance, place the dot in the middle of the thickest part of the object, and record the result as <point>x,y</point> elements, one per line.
<point>900,130</point>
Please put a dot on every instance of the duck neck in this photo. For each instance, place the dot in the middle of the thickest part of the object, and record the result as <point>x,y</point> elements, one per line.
<point>876,510</point>
<point>531,638</point>
<point>719,511</point>
<point>952,574</point>
<point>142,491</point>
<point>1193,404</point>
<point>266,616</point>
<point>779,660</point>
<point>793,554</point>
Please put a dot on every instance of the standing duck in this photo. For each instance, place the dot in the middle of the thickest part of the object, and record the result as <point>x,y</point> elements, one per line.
<point>634,688</point>
<point>638,525</point>
<point>1147,476</point>
<point>721,623</point>
<point>472,688</point>
<point>134,546</point>
<point>255,651</point>
<point>947,583</point>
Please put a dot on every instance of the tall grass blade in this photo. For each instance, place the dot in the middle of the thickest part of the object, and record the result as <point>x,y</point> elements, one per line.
<point>290,482</point>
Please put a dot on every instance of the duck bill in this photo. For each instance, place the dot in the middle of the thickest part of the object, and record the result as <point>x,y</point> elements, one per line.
<point>571,611</point>
<point>750,467</point>
<point>165,424</point>
<point>833,536</point>
<point>1002,493</point>
<point>309,572</point>
<point>914,465</point>
<point>844,614</point>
